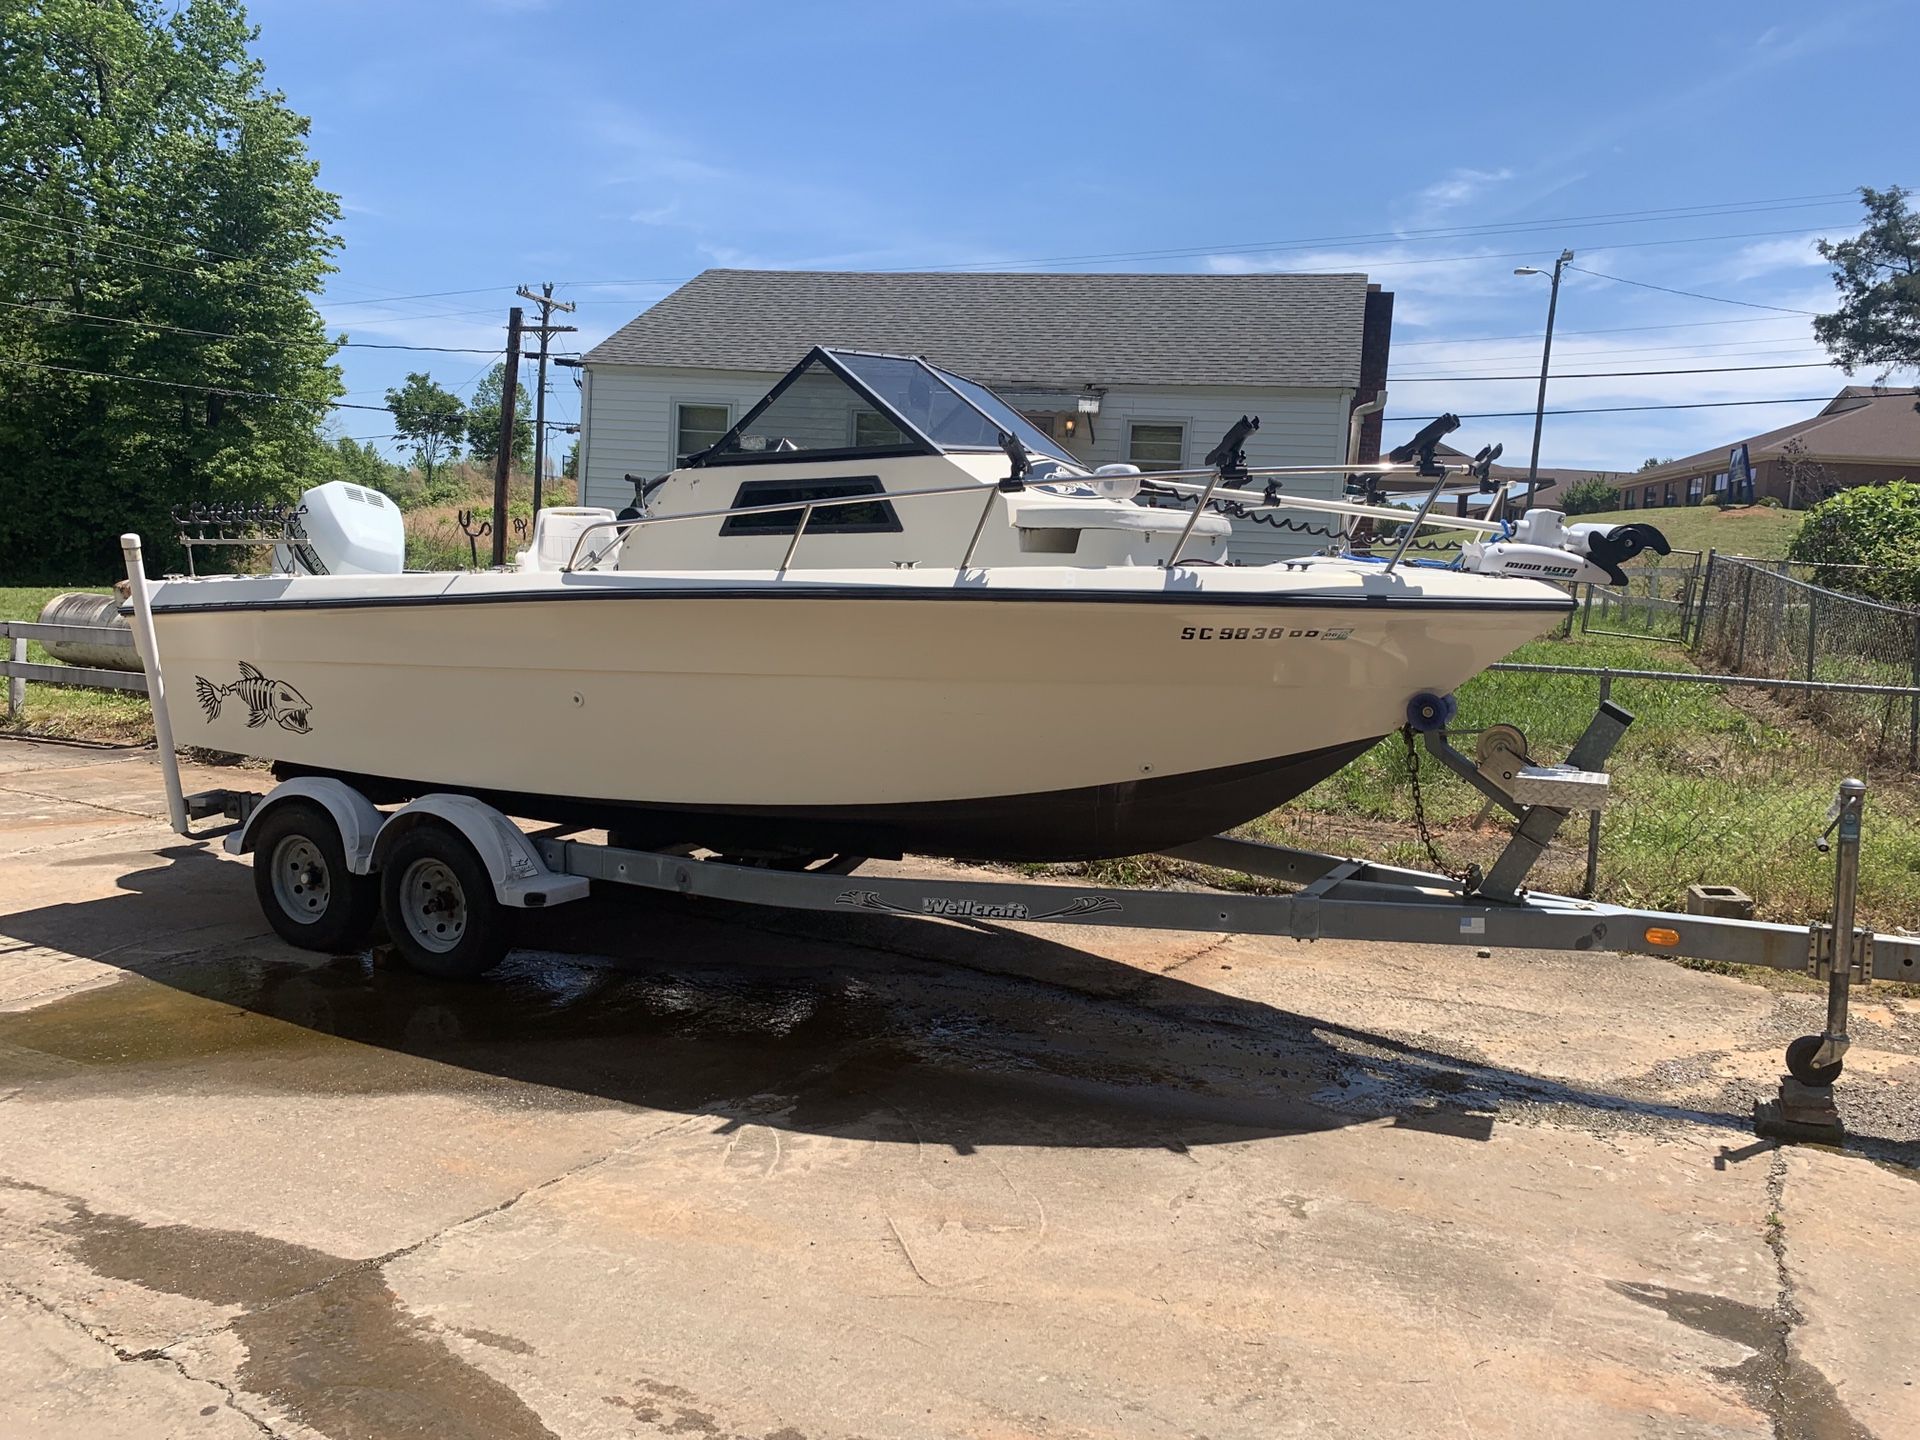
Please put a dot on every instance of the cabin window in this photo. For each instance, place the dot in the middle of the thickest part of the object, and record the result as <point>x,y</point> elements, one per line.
<point>697,427</point>
<point>872,517</point>
<point>1157,445</point>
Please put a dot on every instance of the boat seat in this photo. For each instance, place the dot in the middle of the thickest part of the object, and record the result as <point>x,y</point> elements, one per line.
<point>556,530</point>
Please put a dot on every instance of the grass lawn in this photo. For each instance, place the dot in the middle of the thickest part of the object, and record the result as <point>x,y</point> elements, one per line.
<point>68,714</point>
<point>1757,530</point>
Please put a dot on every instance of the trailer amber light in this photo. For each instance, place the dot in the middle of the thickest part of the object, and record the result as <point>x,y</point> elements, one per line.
<point>1659,936</point>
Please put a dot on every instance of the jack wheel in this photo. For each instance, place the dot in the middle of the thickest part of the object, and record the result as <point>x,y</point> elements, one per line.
<point>440,909</point>
<point>301,879</point>
<point>1800,1062</point>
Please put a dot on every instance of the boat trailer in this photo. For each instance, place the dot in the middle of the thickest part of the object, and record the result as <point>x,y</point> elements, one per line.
<point>442,870</point>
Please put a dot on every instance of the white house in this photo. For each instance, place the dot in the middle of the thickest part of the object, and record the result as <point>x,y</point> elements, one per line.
<point>1150,369</point>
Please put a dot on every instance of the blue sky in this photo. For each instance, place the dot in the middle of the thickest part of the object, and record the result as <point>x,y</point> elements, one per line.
<point>617,148</point>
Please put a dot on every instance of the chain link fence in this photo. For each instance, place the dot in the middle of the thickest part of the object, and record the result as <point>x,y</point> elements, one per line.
<point>1767,618</point>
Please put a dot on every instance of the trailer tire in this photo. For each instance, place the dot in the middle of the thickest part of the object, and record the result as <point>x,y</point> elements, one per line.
<point>439,904</point>
<point>301,879</point>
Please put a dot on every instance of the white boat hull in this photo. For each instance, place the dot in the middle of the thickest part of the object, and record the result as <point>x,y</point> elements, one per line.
<point>1010,714</point>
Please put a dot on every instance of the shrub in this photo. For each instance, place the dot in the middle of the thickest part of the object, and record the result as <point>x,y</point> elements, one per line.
<point>1873,527</point>
<point>1770,502</point>
<point>1589,497</point>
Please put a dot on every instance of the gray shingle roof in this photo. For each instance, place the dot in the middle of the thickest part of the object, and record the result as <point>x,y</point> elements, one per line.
<point>1057,329</point>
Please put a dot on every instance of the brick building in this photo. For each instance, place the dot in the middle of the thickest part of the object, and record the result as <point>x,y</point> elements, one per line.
<point>1863,436</point>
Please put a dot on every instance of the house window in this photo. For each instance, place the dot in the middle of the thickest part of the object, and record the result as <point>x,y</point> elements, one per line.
<point>862,519</point>
<point>1628,497</point>
<point>1042,422</point>
<point>1694,488</point>
<point>1720,483</point>
<point>874,431</point>
<point>1651,498</point>
<point>698,427</point>
<point>1157,446</point>
<point>1671,496</point>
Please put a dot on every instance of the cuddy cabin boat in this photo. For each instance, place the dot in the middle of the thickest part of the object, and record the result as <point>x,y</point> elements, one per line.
<point>883,614</point>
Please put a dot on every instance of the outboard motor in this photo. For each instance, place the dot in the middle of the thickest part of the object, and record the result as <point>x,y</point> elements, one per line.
<point>1545,547</point>
<point>343,529</point>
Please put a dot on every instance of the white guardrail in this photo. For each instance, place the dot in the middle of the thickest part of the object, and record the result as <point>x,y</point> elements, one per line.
<point>19,670</point>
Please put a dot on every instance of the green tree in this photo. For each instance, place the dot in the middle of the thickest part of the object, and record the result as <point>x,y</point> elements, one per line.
<point>429,418</point>
<point>165,229</point>
<point>483,421</point>
<point>1878,276</point>
<point>571,469</point>
<point>1589,497</point>
<point>359,464</point>
<point>1652,462</point>
<point>1865,540</point>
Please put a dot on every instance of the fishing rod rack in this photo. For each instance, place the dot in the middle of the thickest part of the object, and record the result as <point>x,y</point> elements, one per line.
<point>203,526</point>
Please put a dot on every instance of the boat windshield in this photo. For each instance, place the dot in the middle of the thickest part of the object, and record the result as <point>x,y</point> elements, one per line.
<point>844,403</point>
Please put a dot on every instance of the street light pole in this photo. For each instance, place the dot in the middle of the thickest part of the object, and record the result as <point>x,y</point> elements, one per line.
<point>1546,356</point>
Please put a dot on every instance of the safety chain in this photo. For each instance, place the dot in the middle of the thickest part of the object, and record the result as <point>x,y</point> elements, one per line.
<point>1469,876</point>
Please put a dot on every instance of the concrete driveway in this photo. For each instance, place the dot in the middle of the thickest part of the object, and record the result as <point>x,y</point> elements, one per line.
<point>705,1172</point>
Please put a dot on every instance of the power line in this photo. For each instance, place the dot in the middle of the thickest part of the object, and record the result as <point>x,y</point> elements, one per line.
<point>1603,374</point>
<point>1624,409</point>
<point>1691,294</point>
<point>45,313</point>
<point>1609,330</point>
<point>1771,345</point>
<point>1450,232</point>
<point>182,385</point>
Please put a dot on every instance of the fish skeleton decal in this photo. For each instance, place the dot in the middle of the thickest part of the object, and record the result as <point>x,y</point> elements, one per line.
<point>265,699</point>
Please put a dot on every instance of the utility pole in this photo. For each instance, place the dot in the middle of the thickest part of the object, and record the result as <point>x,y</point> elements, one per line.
<point>546,327</point>
<point>509,392</point>
<point>1546,354</point>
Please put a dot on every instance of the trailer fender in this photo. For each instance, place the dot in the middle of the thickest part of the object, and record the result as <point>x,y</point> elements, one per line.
<point>520,878</point>
<point>353,815</point>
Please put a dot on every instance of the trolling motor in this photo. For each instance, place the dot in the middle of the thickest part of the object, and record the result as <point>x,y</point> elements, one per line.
<point>1423,445</point>
<point>1609,546</point>
<point>1545,547</point>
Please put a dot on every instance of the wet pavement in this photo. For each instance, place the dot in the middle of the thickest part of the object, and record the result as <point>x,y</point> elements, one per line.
<point>685,1169</point>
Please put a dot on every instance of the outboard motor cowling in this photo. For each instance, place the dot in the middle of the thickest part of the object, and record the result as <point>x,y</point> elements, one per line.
<point>343,529</point>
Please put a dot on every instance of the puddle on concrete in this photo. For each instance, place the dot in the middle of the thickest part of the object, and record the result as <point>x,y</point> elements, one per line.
<point>327,1341</point>
<point>1000,1059</point>
<point>1799,1400</point>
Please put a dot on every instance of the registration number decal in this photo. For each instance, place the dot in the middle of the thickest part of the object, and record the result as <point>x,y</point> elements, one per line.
<point>1259,632</point>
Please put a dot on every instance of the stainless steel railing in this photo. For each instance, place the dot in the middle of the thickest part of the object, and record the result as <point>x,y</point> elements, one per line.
<point>1203,494</point>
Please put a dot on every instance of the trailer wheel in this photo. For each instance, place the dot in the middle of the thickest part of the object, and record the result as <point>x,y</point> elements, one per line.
<point>439,905</point>
<point>305,889</point>
<point>1800,1062</point>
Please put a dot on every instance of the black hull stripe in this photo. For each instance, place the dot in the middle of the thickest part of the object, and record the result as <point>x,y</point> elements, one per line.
<point>861,592</point>
<point>1132,817</point>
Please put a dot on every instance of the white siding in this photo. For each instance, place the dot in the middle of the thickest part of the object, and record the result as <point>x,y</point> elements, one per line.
<point>629,429</point>
<point>629,420</point>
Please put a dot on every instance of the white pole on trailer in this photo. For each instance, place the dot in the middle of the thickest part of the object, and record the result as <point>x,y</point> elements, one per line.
<point>149,647</point>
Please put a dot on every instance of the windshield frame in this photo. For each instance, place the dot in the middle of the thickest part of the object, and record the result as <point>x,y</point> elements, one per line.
<point>1036,441</point>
